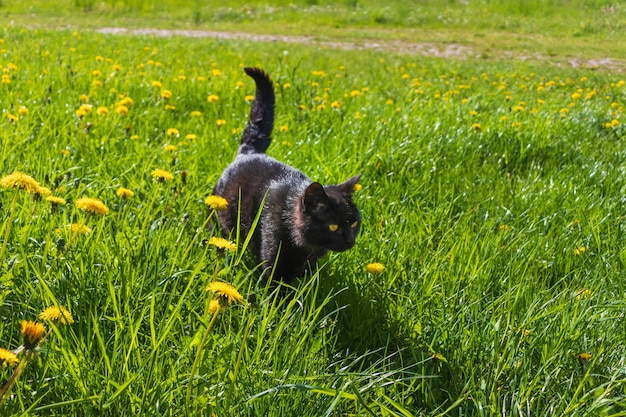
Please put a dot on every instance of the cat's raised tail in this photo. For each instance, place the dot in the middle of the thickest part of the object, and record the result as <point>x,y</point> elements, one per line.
<point>258,134</point>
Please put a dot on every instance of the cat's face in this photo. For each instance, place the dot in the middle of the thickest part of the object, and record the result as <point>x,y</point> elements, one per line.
<point>332,220</point>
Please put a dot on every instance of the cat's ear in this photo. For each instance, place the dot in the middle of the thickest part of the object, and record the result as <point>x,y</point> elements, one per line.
<point>347,187</point>
<point>315,198</point>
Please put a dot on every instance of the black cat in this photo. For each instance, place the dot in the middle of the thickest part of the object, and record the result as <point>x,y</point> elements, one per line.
<point>301,220</point>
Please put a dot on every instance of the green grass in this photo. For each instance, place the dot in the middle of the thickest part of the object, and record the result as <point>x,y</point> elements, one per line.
<point>492,193</point>
<point>554,30</point>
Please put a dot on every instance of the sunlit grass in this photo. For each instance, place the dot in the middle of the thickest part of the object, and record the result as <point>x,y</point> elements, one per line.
<point>488,277</point>
<point>587,32</point>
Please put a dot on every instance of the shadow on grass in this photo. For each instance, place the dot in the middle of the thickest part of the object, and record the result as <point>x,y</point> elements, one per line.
<point>365,329</point>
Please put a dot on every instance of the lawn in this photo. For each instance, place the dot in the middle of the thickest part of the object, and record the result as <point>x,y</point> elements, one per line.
<point>492,197</point>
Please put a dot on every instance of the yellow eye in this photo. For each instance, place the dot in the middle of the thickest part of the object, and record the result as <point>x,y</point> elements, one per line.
<point>355,224</point>
<point>333,227</point>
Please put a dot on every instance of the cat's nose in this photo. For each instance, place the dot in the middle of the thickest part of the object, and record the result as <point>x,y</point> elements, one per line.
<point>349,240</point>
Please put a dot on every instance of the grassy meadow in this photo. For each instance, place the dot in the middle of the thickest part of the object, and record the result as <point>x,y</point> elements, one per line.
<point>559,30</point>
<point>492,196</point>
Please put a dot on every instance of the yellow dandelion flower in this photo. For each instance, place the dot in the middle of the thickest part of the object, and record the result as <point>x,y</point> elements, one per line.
<point>335,104</point>
<point>166,94</point>
<point>284,128</point>
<point>79,228</point>
<point>170,148</point>
<point>216,72</point>
<point>20,181</point>
<point>195,113</point>
<point>222,244</point>
<point>375,268</point>
<point>92,205</point>
<point>123,110</point>
<point>357,187</point>
<point>220,122</point>
<point>124,192</point>
<point>249,98</point>
<point>102,111</point>
<point>212,98</point>
<point>32,332</point>
<point>8,358</point>
<point>190,136</point>
<point>161,174</point>
<point>12,117</point>
<point>126,101</point>
<point>225,292</point>
<point>216,202</point>
<point>476,127</point>
<point>56,201</point>
<point>214,306</point>
<point>584,356</point>
<point>22,110</point>
<point>43,191</point>
<point>56,315</point>
<point>580,250</point>
<point>156,84</point>
<point>170,107</point>
<point>172,132</point>
<point>582,293</point>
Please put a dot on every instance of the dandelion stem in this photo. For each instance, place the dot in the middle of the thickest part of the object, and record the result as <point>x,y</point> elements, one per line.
<point>196,361</point>
<point>8,226</point>
<point>6,388</point>
<point>217,268</point>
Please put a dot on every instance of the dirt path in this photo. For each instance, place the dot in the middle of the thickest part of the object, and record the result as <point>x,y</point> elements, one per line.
<point>410,48</point>
<point>426,49</point>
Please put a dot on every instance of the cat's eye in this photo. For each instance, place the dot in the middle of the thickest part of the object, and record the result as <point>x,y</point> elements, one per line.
<point>355,224</point>
<point>333,227</point>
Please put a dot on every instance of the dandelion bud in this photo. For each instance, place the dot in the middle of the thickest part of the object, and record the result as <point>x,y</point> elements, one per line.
<point>32,332</point>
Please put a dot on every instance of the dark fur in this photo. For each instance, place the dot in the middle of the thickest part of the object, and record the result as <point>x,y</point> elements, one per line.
<point>293,230</point>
